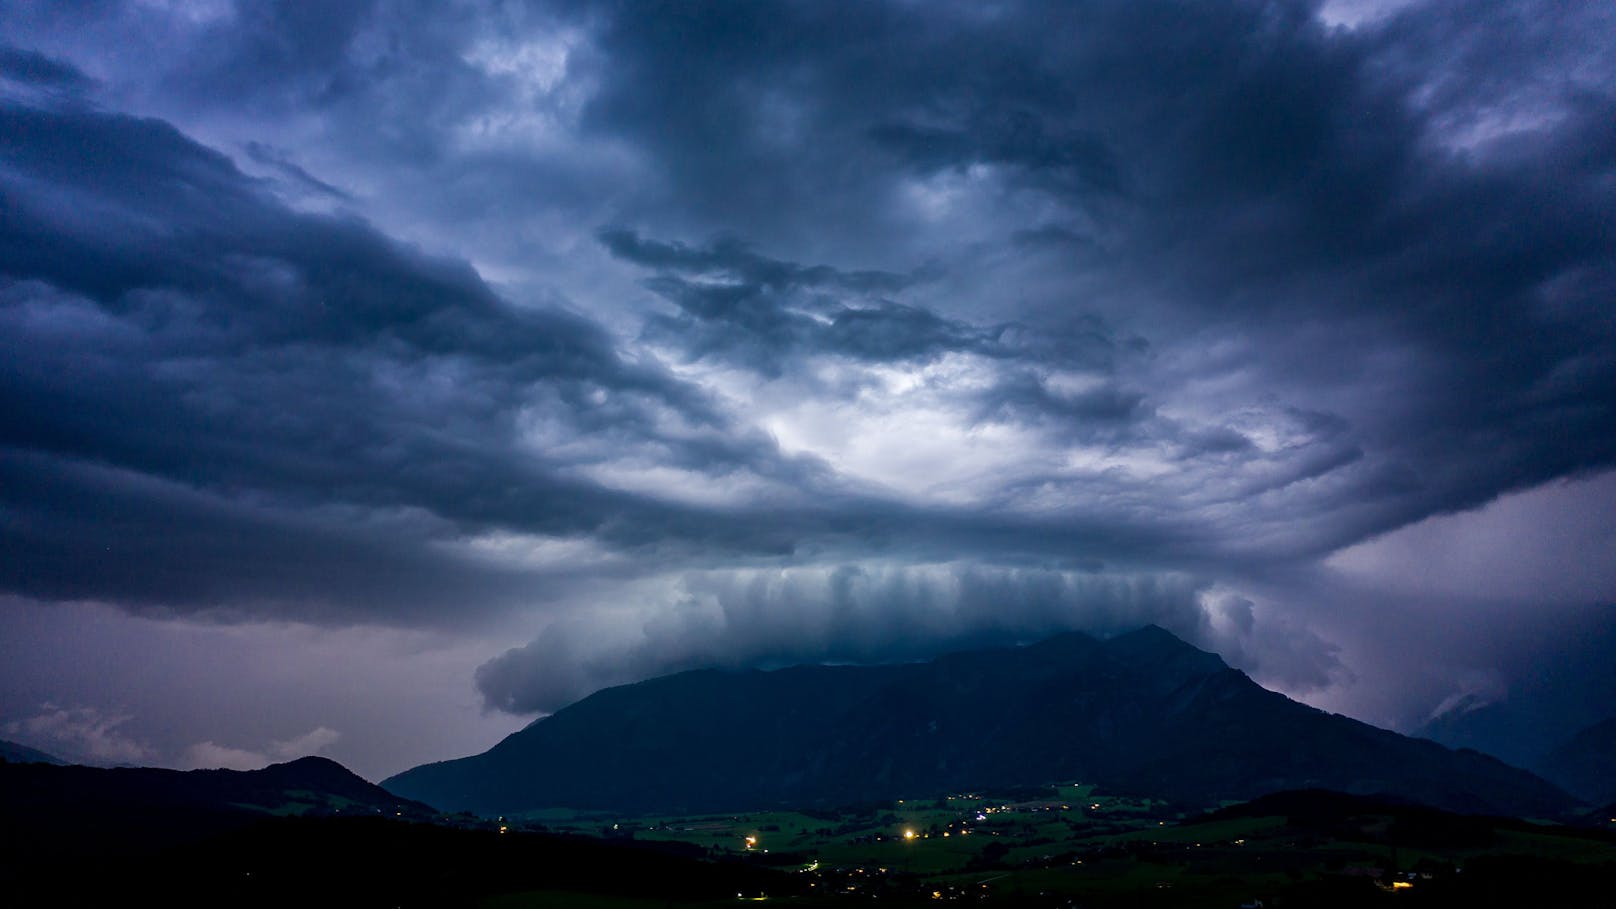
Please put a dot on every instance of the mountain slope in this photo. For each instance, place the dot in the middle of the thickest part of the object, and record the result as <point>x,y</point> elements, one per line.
<point>22,754</point>
<point>1143,712</point>
<point>1585,764</point>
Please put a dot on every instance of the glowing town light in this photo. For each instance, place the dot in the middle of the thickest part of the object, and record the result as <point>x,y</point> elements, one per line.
<point>908,834</point>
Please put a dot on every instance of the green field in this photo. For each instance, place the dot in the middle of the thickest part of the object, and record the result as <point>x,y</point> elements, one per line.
<point>1073,845</point>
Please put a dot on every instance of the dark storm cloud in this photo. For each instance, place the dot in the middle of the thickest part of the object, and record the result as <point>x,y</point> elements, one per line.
<point>29,67</point>
<point>1076,163</point>
<point>733,261</point>
<point>852,613</point>
<point>286,411</point>
<point>764,313</point>
<point>1024,397</point>
<point>277,159</point>
<point>770,316</point>
<point>1283,182</point>
<point>78,531</point>
<point>1402,230</point>
<point>1214,289</point>
<point>168,322</point>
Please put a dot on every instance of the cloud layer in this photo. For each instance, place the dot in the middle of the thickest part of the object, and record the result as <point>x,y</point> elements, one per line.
<point>681,335</point>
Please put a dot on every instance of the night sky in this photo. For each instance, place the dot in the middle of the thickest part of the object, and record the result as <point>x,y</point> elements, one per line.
<point>375,377</point>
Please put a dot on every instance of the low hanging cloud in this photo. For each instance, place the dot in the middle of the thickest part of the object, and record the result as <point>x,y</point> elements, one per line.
<point>865,613</point>
<point>850,613</point>
<point>90,735</point>
<point>211,756</point>
<point>81,735</point>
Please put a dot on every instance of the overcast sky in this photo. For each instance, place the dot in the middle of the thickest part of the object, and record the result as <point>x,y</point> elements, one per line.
<point>375,377</point>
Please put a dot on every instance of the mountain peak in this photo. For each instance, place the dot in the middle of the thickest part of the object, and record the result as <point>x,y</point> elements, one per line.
<point>1155,646</point>
<point>1153,635</point>
<point>313,763</point>
<point>317,773</point>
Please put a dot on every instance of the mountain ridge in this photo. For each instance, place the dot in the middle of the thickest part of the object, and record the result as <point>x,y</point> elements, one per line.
<point>1585,763</point>
<point>17,753</point>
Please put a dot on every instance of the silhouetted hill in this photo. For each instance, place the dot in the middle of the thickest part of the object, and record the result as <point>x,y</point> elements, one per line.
<point>1585,765</point>
<point>307,832</point>
<point>1143,713</point>
<point>71,810</point>
<point>22,754</point>
<point>382,863</point>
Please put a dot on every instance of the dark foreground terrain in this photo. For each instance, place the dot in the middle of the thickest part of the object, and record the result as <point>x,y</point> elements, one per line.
<point>79,836</point>
<point>1073,845</point>
<point>306,833</point>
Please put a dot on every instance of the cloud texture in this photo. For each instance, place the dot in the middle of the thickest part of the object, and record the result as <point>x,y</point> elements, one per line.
<point>688,334</point>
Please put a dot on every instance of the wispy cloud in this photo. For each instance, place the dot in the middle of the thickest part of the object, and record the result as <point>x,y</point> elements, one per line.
<point>81,734</point>
<point>209,755</point>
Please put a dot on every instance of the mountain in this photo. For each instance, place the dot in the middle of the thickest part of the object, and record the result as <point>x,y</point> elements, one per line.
<point>1489,727</point>
<point>1585,764</point>
<point>98,811</point>
<point>1143,713</point>
<point>1519,731</point>
<point>22,754</point>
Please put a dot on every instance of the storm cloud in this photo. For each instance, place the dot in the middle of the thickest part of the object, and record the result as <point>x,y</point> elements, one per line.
<point>640,337</point>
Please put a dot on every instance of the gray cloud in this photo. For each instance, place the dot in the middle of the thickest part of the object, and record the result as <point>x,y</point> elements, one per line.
<point>279,161</point>
<point>1073,162</point>
<point>850,613</point>
<point>862,613</point>
<point>81,734</point>
<point>176,335</point>
<point>766,313</point>
<point>30,68</point>
<point>211,755</point>
<point>1123,290</point>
